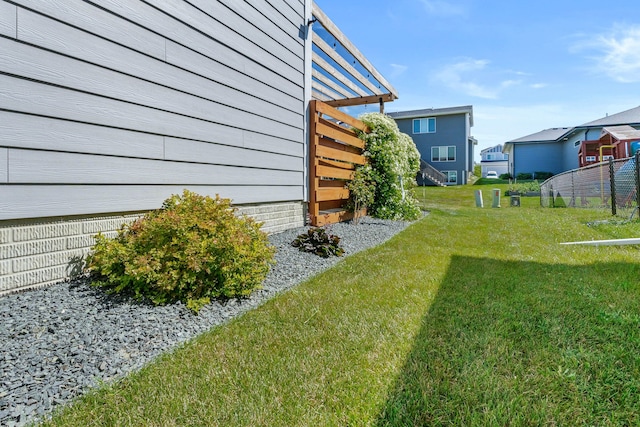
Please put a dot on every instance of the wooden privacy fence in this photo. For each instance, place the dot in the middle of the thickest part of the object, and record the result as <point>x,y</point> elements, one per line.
<point>334,153</point>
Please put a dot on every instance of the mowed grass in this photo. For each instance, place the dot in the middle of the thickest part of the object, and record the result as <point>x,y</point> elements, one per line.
<point>468,317</point>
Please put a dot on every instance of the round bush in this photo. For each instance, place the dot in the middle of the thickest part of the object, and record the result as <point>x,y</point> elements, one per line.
<point>193,249</point>
<point>394,161</point>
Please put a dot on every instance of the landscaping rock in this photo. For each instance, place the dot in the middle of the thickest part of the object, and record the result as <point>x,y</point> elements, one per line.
<point>60,341</point>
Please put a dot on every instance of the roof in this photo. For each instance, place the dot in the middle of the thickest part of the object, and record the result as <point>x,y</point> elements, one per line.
<point>621,133</point>
<point>623,118</point>
<point>434,112</point>
<point>547,135</point>
<point>494,149</point>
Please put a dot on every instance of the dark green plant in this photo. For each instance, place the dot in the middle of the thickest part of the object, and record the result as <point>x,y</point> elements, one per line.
<point>524,175</point>
<point>192,249</point>
<point>506,176</point>
<point>317,241</point>
<point>362,190</point>
<point>542,176</point>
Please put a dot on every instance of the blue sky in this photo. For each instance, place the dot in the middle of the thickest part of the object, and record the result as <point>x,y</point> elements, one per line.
<point>524,66</point>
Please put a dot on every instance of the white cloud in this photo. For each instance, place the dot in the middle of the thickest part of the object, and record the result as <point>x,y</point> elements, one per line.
<point>398,69</point>
<point>539,85</point>
<point>509,83</point>
<point>442,8</point>
<point>617,53</point>
<point>457,77</point>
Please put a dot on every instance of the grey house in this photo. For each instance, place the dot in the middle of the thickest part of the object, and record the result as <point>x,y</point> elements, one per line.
<point>556,150</point>
<point>107,108</point>
<point>443,138</point>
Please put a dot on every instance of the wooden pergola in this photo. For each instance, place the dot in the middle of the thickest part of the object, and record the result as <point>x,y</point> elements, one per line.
<point>338,71</point>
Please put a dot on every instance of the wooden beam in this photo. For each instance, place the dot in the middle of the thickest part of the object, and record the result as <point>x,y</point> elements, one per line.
<point>327,142</point>
<point>320,62</point>
<point>324,128</point>
<point>342,116</point>
<point>374,99</point>
<point>330,83</point>
<point>344,156</point>
<point>336,164</point>
<point>327,194</point>
<point>325,90</point>
<point>324,46</point>
<point>319,96</point>
<point>339,35</point>
<point>314,181</point>
<point>332,217</point>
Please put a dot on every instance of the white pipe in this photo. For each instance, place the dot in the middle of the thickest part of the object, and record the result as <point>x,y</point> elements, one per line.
<point>612,242</point>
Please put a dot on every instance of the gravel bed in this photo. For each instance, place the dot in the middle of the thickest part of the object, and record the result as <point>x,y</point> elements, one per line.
<point>62,340</point>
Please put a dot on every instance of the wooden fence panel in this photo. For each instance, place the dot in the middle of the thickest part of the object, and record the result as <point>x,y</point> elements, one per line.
<point>335,151</point>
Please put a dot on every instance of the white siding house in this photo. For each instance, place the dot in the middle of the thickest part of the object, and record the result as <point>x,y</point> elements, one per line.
<point>493,159</point>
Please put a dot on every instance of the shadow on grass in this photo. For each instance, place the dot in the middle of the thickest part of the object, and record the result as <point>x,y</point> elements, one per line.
<point>523,343</point>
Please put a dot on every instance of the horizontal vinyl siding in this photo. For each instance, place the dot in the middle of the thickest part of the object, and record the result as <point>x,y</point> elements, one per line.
<point>129,97</point>
<point>8,20</point>
<point>67,200</point>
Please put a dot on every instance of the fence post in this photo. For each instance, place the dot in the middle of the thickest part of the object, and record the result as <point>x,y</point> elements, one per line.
<point>637,160</point>
<point>573,191</point>
<point>612,182</point>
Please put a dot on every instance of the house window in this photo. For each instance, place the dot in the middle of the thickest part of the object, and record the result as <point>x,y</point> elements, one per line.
<point>606,157</point>
<point>490,156</point>
<point>424,125</point>
<point>452,177</point>
<point>591,158</point>
<point>443,154</point>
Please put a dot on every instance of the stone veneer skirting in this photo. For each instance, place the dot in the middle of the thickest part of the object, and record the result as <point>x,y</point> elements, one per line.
<point>39,252</point>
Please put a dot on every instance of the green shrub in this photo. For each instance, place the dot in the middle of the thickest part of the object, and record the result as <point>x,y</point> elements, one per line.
<point>525,187</point>
<point>524,175</point>
<point>394,161</point>
<point>362,191</point>
<point>193,249</point>
<point>542,176</point>
<point>506,176</point>
<point>317,241</point>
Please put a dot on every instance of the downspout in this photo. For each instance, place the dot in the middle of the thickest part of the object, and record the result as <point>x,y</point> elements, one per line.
<point>466,146</point>
<point>307,30</point>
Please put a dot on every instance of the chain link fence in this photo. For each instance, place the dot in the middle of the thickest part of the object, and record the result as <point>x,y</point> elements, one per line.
<point>612,185</point>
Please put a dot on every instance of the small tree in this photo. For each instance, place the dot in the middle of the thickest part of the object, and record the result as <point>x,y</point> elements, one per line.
<point>362,191</point>
<point>394,161</point>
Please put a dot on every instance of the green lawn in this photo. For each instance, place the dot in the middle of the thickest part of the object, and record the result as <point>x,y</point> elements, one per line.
<point>468,317</point>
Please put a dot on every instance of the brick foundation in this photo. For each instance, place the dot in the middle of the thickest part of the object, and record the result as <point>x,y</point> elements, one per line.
<point>36,253</point>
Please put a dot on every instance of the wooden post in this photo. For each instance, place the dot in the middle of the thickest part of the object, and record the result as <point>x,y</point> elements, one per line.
<point>314,182</point>
<point>381,106</point>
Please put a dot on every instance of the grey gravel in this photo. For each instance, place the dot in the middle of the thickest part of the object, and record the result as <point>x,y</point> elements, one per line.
<point>60,341</point>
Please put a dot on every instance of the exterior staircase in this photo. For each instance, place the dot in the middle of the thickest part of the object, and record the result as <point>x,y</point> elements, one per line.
<point>432,174</point>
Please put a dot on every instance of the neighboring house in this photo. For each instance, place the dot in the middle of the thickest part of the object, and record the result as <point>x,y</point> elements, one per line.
<point>108,108</point>
<point>493,159</point>
<point>557,150</point>
<point>539,152</point>
<point>617,142</point>
<point>443,138</point>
